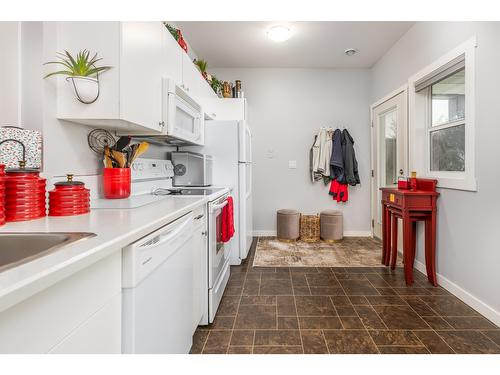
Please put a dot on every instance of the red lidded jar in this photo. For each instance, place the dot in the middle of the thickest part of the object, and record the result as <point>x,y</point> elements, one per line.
<point>2,194</point>
<point>69,198</point>
<point>24,194</point>
<point>116,183</point>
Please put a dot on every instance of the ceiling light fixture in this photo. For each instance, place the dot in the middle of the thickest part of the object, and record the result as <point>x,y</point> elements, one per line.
<point>279,33</point>
<point>350,51</point>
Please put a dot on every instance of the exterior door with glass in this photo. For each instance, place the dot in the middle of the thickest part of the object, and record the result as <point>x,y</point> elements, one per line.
<point>389,150</point>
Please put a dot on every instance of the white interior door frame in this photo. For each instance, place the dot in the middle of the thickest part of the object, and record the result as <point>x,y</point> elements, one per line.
<point>374,138</point>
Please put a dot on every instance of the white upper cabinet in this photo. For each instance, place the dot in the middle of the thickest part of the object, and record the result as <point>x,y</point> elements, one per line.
<point>141,55</point>
<point>172,58</point>
<point>141,69</point>
<point>130,93</point>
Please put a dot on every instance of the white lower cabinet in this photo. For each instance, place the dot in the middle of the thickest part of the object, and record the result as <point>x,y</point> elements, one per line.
<point>200,258</point>
<point>81,313</point>
<point>101,333</point>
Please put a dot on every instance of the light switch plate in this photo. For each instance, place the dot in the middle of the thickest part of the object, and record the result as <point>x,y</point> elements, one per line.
<point>292,164</point>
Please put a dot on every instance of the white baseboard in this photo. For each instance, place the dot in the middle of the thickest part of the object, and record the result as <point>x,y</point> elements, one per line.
<point>349,233</point>
<point>478,305</point>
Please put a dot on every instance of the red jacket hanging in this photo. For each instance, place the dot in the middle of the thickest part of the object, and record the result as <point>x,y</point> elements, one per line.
<point>227,221</point>
<point>338,191</point>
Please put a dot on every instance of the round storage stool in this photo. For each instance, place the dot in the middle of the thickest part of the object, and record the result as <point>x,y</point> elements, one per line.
<point>332,226</point>
<point>288,225</point>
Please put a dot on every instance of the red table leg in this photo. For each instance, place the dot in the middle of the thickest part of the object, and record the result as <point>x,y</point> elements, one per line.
<point>413,241</point>
<point>384,236</point>
<point>394,246</point>
<point>388,236</point>
<point>430,248</point>
<point>407,248</point>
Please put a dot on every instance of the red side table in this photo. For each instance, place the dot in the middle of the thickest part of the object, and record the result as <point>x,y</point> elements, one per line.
<point>410,206</point>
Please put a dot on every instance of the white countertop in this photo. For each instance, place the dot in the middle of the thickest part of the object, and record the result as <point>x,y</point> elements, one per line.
<point>114,229</point>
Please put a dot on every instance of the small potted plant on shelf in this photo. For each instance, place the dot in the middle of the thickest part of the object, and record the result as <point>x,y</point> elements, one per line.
<point>202,67</point>
<point>216,85</point>
<point>82,72</point>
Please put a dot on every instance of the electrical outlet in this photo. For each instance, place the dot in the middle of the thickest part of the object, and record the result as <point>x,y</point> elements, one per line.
<point>270,153</point>
<point>292,164</point>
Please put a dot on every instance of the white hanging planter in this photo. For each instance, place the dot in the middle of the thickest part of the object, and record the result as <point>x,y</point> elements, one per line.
<point>86,88</point>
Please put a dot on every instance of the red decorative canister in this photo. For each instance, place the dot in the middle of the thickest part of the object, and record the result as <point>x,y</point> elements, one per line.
<point>69,198</point>
<point>24,194</point>
<point>2,194</point>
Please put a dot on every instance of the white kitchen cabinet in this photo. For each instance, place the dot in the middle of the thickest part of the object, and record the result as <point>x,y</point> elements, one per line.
<point>101,333</point>
<point>191,77</point>
<point>200,264</point>
<point>81,311</point>
<point>141,69</point>
<point>172,58</point>
<point>130,93</point>
<point>227,109</point>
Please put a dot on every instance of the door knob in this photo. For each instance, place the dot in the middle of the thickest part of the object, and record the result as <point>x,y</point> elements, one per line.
<point>401,172</point>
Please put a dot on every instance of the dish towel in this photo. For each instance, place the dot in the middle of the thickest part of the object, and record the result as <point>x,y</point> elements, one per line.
<point>227,224</point>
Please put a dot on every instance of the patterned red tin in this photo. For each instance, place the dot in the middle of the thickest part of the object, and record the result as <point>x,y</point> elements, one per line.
<point>2,194</point>
<point>69,198</point>
<point>24,194</point>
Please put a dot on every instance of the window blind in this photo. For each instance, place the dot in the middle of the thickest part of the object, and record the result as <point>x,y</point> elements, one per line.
<point>446,70</point>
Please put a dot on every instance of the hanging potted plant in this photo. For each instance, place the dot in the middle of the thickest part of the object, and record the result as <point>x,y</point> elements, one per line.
<point>81,72</point>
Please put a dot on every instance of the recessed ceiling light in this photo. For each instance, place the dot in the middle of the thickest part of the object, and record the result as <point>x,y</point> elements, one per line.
<point>279,33</point>
<point>350,51</point>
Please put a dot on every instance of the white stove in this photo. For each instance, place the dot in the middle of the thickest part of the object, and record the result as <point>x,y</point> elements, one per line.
<point>152,183</point>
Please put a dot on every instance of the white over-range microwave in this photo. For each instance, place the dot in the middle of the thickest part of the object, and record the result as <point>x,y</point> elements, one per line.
<point>184,116</point>
<point>183,120</point>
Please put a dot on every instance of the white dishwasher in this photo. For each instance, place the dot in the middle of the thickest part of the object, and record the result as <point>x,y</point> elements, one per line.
<point>157,290</point>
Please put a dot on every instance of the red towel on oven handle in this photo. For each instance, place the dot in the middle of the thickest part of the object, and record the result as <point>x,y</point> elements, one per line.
<point>227,227</point>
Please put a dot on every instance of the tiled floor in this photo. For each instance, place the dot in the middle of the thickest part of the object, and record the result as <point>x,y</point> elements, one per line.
<point>340,310</point>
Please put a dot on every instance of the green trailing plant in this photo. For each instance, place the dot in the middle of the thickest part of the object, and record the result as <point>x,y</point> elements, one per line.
<point>172,31</point>
<point>216,85</point>
<point>83,65</point>
<point>201,65</point>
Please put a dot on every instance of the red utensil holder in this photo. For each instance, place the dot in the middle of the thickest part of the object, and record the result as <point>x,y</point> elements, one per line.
<point>116,183</point>
<point>2,194</point>
<point>69,198</point>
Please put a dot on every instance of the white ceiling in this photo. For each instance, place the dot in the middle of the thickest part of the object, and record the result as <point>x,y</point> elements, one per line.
<point>312,45</point>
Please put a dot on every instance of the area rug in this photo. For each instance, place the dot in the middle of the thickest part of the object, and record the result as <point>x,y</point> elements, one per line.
<point>350,252</point>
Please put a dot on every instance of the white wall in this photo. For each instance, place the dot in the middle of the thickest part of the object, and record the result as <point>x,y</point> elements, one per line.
<point>468,256</point>
<point>10,73</point>
<point>286,109</point>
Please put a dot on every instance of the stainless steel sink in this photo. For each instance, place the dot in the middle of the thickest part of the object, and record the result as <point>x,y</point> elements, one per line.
<point>19,248</point>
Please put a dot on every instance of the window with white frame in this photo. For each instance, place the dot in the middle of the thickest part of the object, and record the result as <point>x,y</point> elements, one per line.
<point>442,120</point>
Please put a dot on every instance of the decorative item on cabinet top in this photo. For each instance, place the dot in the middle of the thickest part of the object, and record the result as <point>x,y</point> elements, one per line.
<point>20,144</point>
<point>81,72</point>
<point>177,35</point>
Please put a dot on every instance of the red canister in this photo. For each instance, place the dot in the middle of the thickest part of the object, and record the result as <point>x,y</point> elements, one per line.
<point>24,194</point>
<point>69,198</point>
<point>116,183</point>
<point>2,194</point>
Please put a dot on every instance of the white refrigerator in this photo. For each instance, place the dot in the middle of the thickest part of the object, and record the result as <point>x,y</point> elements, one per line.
<point>230,144</point>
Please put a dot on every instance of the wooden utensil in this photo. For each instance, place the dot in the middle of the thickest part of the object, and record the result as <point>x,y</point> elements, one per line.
<point>120,158</point>
<point>108,159</point>
<point>137,150</point>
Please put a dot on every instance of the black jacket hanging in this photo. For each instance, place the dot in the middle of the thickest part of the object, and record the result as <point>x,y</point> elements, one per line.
<point>337,158</point>
<point>351,175</point>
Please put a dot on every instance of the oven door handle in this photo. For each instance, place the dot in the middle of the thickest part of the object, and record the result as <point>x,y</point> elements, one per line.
<point>216,207</point>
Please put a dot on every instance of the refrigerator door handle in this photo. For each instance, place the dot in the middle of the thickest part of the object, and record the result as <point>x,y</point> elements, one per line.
<point>249,192</point>
<point>249,133</point>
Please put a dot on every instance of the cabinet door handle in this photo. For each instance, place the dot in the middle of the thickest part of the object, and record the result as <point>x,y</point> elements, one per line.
<point>204,233</point>
<point>199,217</point>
